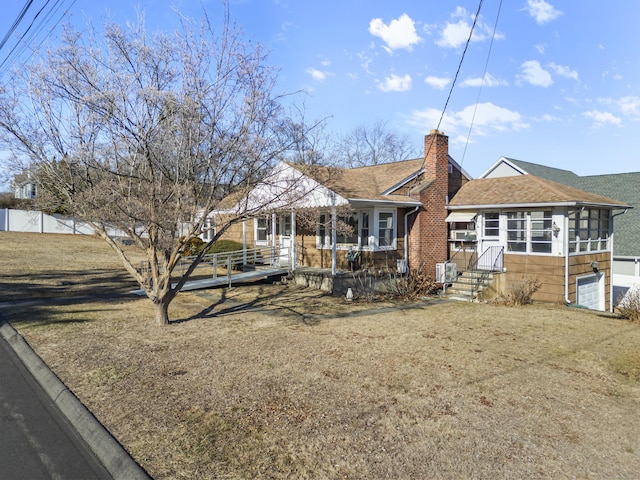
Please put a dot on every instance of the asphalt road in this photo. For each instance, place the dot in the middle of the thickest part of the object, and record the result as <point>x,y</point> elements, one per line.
<point>36,440</point>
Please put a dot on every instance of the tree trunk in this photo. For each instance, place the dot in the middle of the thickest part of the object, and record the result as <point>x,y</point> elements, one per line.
<point>162,312</point>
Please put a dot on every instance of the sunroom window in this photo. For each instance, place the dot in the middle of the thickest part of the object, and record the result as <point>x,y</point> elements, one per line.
<point>529,231</point>
<point>589,230</point>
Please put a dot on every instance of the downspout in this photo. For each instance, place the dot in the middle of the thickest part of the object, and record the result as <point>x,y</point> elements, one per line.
<point>334,253</point>
<point>406,235</point>
<point>294,244</point>
<point>566,259</point>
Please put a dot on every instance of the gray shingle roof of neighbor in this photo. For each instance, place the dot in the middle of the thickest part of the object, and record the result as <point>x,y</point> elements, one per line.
<point>624,187</point>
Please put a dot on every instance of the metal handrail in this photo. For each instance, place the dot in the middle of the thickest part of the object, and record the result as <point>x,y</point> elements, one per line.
<point>497,253</point>
<point>268,255</point>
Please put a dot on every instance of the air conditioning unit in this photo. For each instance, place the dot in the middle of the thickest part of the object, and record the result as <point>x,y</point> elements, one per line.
<point>463,235</point>
<point>446,272</point>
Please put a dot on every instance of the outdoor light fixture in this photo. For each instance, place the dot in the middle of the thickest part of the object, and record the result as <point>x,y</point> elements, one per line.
<point>556,229</point>
<point>595,266</point>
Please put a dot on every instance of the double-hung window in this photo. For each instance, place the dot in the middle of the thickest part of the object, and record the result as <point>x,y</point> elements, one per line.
<point>517,231</point>
<point>386,230</point>
<point>262,230</point>
<point>529,231</point>
<point>541,231</point>
<point>491,224</point>
<point>368,229</point>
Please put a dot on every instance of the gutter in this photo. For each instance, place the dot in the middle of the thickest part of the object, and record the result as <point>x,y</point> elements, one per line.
<point>406,234</point>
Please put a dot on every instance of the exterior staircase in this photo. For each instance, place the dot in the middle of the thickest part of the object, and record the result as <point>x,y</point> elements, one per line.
<point>468,285</point>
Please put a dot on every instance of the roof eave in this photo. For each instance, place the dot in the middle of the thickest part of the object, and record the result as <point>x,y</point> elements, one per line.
<point>397,203</point>
<point>534,205</point>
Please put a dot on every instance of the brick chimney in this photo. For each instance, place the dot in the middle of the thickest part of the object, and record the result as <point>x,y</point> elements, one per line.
<point>428,242</point>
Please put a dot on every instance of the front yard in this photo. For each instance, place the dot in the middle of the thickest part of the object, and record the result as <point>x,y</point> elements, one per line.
<point>279,382</point>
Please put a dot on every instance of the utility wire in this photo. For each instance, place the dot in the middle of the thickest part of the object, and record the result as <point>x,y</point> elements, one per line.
<point>444,109</point>
<point>484,75</point>
<point>16,22</point>
<point>30,35</point>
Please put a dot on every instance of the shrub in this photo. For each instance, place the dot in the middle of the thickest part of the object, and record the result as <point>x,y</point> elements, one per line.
<point>193,246</point>
<point>629,305</point>
<point>225,245</point>
<point>520,292</point>
<point>416,284</point>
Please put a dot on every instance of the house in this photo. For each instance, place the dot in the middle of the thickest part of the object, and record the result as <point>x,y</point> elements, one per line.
<point>392,215</point>
<point>622,186</point>
<point>24,186</point>
<point>560,235</point>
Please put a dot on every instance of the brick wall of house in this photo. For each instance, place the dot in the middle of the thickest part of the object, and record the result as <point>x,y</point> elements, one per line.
<point>428,237</point>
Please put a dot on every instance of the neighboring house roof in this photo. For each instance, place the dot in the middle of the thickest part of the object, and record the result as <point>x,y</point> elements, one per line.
<point>524,191</point>
<point>624,187</point>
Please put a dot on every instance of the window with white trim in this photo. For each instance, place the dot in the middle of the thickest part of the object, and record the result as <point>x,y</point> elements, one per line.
<point>386,229</point>
<point>261,225</point>
<point>541,231</point>
<point>208,229</point>
<point>371,229</point>
<point>517,231</point>
<point>491,224</point>
<point>529,231</point>
<point>589,230</point>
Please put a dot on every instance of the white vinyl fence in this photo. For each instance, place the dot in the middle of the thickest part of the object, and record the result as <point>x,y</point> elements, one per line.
<point>39,222</point>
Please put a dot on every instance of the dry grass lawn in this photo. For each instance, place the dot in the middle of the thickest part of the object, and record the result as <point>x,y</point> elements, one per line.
<point>281,382</point>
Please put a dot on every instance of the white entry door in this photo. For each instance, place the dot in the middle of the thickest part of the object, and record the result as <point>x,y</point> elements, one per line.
<point>284,238</point>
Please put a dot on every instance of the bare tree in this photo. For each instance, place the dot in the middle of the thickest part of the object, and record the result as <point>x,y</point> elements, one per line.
<point>146,133</point>
<point>372,145</point>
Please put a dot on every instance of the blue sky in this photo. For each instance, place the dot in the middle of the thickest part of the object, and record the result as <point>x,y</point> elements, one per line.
<point>561,87</point>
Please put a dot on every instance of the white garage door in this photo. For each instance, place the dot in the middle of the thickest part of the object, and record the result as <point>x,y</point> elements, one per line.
<point>589,292</point>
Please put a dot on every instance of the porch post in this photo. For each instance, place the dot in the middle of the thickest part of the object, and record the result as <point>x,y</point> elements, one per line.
<point>294,244</point>
<point>273,238</point>
<point>334,256</point>
<point>244,241</point>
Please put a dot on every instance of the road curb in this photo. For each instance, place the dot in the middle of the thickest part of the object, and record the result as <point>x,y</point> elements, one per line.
<point>109,451</point>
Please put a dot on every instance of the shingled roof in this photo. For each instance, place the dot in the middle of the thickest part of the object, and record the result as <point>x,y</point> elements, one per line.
<point>624,187</point>
<point>366,183</point>
<point>525,190</point>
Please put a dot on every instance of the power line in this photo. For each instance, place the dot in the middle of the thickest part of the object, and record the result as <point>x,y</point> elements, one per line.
<point>37,24</point>
<point>455,78</point>
<point>484,75</point>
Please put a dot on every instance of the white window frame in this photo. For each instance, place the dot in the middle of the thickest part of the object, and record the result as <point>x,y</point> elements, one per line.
<point>529,226</point>
<point>208,229</point>
<point>369,243</point>
<point>582,226</point>
<point>257,229</point>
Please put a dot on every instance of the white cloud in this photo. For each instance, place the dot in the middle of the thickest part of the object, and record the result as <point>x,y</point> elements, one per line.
<point>456,32</point>
<point>630,106</point>
<point>533,73</point>
<point>602,118</point>
<point>437,82</point>
<point>400,33</point>
<point>540,48</point>
<point>317,75</point>
<point>394,83</point>
<point>489,81</point>
<point>487,118</point>
<point>542,12</point>
<point>563,71</point>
